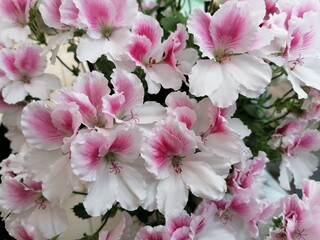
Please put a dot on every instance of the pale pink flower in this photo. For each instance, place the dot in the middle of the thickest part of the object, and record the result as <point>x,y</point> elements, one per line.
<point>302,52</point>
<point>14,20</point>
<point>106,160</point>
<point>297,221</point>
<point>25,200</point>
<point>152,233</point>
<point>170,154</point>
<point>298,160</point>
<point>24,68</point>
<point>108,24</point>
<point>241,180</point>
<point>225,39</point>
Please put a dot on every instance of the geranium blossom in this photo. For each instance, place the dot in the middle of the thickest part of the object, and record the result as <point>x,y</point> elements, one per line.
<point>108,26</point>
<point>106,160</point>
<point>24,69</point>
<point>170,154</point>
<point>225,38</point>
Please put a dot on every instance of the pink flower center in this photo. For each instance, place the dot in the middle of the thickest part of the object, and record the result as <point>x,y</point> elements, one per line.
<point>114,166</point>
<point>293,63</point>
<point>41,202</point>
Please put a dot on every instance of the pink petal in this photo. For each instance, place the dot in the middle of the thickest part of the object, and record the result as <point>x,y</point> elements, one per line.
<point>185,115</point>
<point>69,13</point>
<point>198,24</point>
<point>16,197</point>
<point>131,88</point>
<point>96,15</point>
<point>86,157</point>
<point>94,85</point>
<point>232,28</point>
<point>30,61</point>
<point>113,104</point>
<point>50,13</point>
<point>66,118</point>
<point>139,48</point>
<point>176,221</point>
<point>149,27</point>
<point>126,143</point>
<point>7,63</point>
<point>15,11</point>
<point>155,233</point>
<point>37,127</point>
<point>180,99</point>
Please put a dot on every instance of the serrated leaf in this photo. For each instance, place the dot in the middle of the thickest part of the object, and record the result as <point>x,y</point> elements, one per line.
<point>80,211</point>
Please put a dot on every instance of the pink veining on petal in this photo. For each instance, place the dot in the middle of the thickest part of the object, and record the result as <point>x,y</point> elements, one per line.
<point>198,24</point>
<point>130,86</point>
<point>177,221</point>
<point>149,27</point>
<point>50,12</point>
<point>139,47</point>
<point>7,60</point>
<point>94,85</point>
<point>15,10</point>
<point>113,103</point>
<point>38,128</point>
<point>29,60</point>
<point>179,99</point>
<point>22,232</point>
<point>232,29</point>
<point>69,13</point>
<point>98,15</point>
<point>66,118</point>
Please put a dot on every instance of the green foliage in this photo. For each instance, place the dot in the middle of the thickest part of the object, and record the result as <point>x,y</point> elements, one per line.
<point>169,24</point>
<point>80,211</point>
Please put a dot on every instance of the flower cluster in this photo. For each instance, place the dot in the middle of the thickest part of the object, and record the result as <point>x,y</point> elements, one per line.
<point>169,125</point>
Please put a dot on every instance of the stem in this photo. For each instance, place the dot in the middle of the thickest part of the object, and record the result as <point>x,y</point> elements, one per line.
<point>66,66</point>
<point>276,119</point>
<point>80,193</point>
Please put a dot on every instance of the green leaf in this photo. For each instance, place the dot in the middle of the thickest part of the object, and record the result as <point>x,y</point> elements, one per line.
<point>80,211</point>
<point>169,24</point>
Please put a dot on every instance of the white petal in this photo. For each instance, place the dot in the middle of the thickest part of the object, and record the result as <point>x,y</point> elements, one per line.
<point>14,92</point>
<point>172,194</point>
<point>101,193</point>
<point>132,188</point>
<point>150,112</point>
<point>249,71</point>
<point>52,220</point>
<point>91,49</point>
<point>206,76</point>
<point>202,180</point>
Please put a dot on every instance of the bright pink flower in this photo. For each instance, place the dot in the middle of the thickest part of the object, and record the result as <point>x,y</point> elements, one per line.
<point>25,70</point>
<point>225,38</point>
<point>106,160</point>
